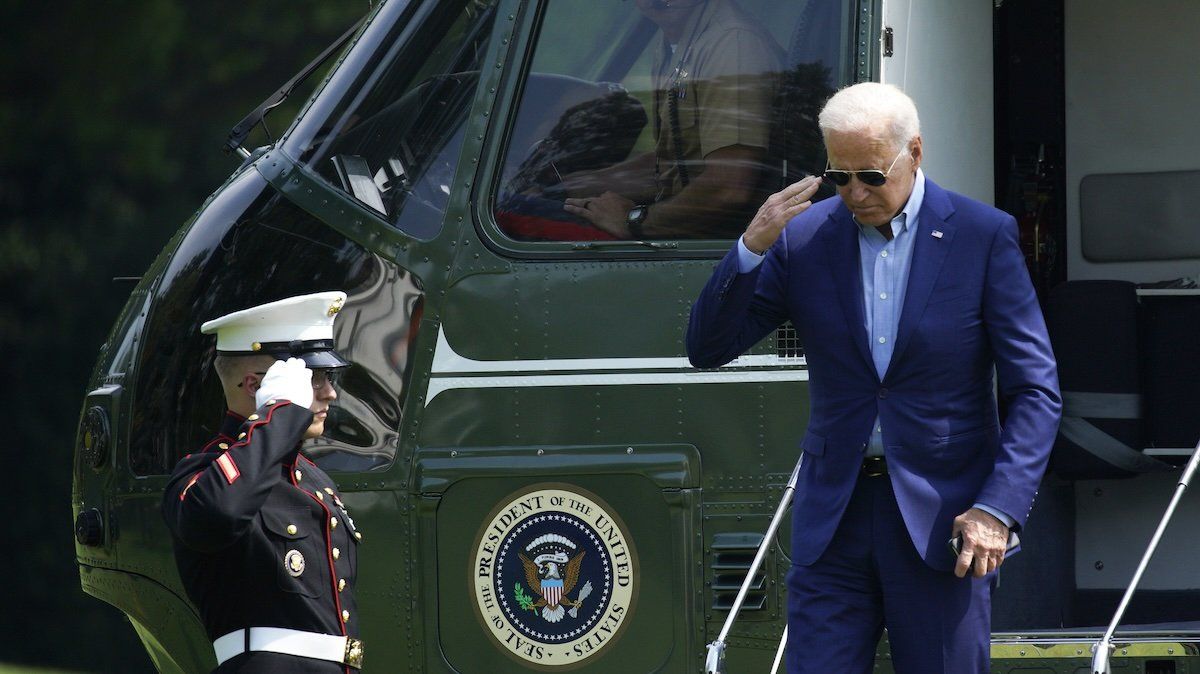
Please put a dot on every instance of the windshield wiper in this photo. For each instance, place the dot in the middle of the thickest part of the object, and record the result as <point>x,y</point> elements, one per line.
<point>237,136</point>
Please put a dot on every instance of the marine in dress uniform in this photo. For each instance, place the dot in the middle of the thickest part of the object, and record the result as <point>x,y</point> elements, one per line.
<point>264,544</point>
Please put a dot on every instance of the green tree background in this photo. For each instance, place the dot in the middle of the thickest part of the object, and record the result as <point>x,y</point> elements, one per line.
<point>111,120</point>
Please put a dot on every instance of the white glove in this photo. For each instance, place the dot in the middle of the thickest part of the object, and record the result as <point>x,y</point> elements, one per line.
<point>286,380</point>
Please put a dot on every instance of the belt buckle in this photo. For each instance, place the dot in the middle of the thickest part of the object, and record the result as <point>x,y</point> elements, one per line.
<point>874,466</point>
<point>354,653</point>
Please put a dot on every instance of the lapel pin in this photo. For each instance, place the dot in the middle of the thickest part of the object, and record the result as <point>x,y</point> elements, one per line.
<point>937,234</point>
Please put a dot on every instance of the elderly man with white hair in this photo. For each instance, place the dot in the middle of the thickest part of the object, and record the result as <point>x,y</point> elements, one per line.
<point>907,298</point>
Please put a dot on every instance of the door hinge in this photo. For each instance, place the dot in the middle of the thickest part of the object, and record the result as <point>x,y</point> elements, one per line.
<point>888,41</point>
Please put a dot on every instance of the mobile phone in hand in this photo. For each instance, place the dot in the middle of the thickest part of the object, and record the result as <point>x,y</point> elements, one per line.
<point>955,545</point>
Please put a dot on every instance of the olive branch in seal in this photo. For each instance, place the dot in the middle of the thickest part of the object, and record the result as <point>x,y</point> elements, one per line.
<point>523,599</point>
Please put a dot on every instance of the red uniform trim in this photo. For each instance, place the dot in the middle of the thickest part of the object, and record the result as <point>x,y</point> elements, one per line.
<point>256,423</point>
<point>214,443</point>
<point>189,485</point>
<point>333,574</point>
<point>228,467</point>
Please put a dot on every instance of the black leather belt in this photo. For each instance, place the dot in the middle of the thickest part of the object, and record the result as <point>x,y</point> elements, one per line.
<point>874,466</point>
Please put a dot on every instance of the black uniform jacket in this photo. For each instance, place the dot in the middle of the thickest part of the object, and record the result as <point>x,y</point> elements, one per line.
<point>262,538</point>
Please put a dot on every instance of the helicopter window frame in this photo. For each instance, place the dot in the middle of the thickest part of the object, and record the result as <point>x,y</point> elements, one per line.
<point>412,199</point>
<point>859,62</point>
<point>218,263</point>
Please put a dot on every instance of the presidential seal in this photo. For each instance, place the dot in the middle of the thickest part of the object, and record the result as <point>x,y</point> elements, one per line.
<point>553,576</point>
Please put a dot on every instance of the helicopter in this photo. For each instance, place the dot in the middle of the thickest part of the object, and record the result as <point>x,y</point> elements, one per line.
<point>519,407</point>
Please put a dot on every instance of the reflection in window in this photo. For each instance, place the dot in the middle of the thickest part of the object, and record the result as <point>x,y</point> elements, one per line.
<point>655,120</point>
<point>393,141</point>
<point>275,251</point>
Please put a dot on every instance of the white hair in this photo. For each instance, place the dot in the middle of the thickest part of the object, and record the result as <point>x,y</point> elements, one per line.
<point>871,107</point>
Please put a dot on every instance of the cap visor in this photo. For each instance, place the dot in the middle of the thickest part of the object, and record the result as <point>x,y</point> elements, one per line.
<point>320,360</point>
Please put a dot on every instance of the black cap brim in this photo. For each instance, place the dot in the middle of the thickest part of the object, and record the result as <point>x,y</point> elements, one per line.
<point>317,354</point>
<point>319,360</point>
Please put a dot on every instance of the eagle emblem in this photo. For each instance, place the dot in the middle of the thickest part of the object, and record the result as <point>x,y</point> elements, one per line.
<point>552,573</point>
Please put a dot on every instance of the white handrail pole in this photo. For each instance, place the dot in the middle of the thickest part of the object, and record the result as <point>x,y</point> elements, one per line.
<point>779,651</point>
<point>1103,649</point>
<point>716,649</point>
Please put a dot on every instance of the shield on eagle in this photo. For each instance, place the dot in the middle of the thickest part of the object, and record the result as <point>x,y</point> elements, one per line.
<point>552,574</point>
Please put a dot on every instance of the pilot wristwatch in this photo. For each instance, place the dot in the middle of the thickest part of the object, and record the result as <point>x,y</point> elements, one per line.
<point>634,220</point>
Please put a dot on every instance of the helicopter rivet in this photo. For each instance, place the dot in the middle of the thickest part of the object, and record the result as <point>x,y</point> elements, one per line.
<point>540,452</point>
<point>1099,565</point>
<point>629,450</point>
<point>453,453</point>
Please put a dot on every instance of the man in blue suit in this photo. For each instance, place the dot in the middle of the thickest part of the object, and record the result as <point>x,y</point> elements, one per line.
<point>905,296</point>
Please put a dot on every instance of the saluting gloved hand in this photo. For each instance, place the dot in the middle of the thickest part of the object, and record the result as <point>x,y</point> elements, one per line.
<point>286,380</point>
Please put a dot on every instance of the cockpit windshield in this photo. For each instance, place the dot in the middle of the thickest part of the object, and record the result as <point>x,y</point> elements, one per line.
<point>668,120</point>
<point>387,131</point>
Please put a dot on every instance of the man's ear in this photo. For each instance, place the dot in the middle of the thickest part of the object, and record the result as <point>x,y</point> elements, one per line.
<point>917,152</point>
<point>251,383</point>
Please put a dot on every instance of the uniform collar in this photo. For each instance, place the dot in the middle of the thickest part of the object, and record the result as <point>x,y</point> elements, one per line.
<point>231,423</point>
<point>695,25</point>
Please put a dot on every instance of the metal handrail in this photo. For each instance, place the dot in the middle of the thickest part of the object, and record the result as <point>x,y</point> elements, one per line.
<point>714,663</point>
<point>1102,651</point>
<point>779,651</point>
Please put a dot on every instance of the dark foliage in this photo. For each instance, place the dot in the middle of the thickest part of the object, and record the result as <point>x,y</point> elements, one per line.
<point>111,119</point>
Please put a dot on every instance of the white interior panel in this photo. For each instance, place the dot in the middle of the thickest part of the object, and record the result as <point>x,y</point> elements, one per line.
<point>1132,95</point>
<point>1115,520</point>
<point>943,60</point>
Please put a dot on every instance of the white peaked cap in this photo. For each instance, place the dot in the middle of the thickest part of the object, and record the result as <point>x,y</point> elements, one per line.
<point>300,326</point>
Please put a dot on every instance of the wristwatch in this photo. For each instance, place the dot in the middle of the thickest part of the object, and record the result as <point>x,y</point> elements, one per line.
<point>635,218</point>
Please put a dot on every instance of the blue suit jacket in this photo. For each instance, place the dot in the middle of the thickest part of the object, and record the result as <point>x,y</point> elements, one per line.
<point>969,306</point>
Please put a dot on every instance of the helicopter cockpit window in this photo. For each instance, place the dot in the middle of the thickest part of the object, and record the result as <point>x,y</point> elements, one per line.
<point>392,140</point>
<point>274,250</point>
<point>668,119</point>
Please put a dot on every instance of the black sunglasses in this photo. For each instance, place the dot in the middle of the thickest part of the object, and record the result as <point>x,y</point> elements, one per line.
<point>872,177</point>
<point>319,378</point>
